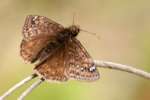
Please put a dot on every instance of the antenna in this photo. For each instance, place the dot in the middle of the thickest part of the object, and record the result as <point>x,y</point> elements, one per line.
<point>73,20</point>
<point>73,23</point>
<point>90,33</point>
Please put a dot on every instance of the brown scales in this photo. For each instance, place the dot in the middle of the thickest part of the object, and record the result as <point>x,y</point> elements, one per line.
<point>60,54</point>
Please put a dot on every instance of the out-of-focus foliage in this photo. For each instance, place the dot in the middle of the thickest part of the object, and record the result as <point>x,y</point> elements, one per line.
<point>123,27</point>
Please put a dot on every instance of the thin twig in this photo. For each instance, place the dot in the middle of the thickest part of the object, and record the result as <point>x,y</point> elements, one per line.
<point>28,90</point>
<point>121,67</point>
<point>101,64</point>
<point>7,93</point>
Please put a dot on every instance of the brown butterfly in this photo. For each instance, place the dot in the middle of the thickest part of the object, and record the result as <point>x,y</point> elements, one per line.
<point>60,55</point>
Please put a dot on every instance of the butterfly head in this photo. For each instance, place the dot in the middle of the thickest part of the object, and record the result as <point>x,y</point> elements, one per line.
<point>74,30</point>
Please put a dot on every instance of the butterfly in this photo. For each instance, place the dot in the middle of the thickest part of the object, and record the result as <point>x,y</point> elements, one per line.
<point>60,54</point>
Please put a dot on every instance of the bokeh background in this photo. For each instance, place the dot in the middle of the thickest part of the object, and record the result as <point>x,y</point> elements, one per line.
<point>124,30</point>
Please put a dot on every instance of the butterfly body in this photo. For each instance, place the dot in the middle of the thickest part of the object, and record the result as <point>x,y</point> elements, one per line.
<point>61,56</point>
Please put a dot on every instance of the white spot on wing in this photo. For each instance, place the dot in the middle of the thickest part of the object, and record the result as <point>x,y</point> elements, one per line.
<point>35,17</point>
<point>93,68</point>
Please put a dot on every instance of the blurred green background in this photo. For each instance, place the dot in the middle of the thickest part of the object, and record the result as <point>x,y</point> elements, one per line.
<point>124,30</point>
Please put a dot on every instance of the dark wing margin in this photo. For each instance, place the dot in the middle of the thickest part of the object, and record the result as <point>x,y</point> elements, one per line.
<point>38,31</point>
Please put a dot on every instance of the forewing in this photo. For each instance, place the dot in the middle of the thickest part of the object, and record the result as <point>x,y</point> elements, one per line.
<point>30,50</point>
<point>38,31</point>
<point>79,64</point>
<point>53,68</point>
<point>40,25</point>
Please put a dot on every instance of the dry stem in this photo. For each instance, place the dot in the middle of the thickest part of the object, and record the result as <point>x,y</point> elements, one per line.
<point>100,64</point>
<point>121,67</point>
<point>8,92</point>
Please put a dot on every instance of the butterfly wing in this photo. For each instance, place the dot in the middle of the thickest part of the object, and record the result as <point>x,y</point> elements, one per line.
<point>40,25</point>
<point>79,64</point>
<point>31,50</point>
<point>69,61</point>
<point>38,31</point>
<point>53,68</point>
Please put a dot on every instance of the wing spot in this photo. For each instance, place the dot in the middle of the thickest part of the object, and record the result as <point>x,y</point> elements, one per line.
<point>93,68</point>
<point>82,69</point>
<point>77,66</point>
<point>35,18</point>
